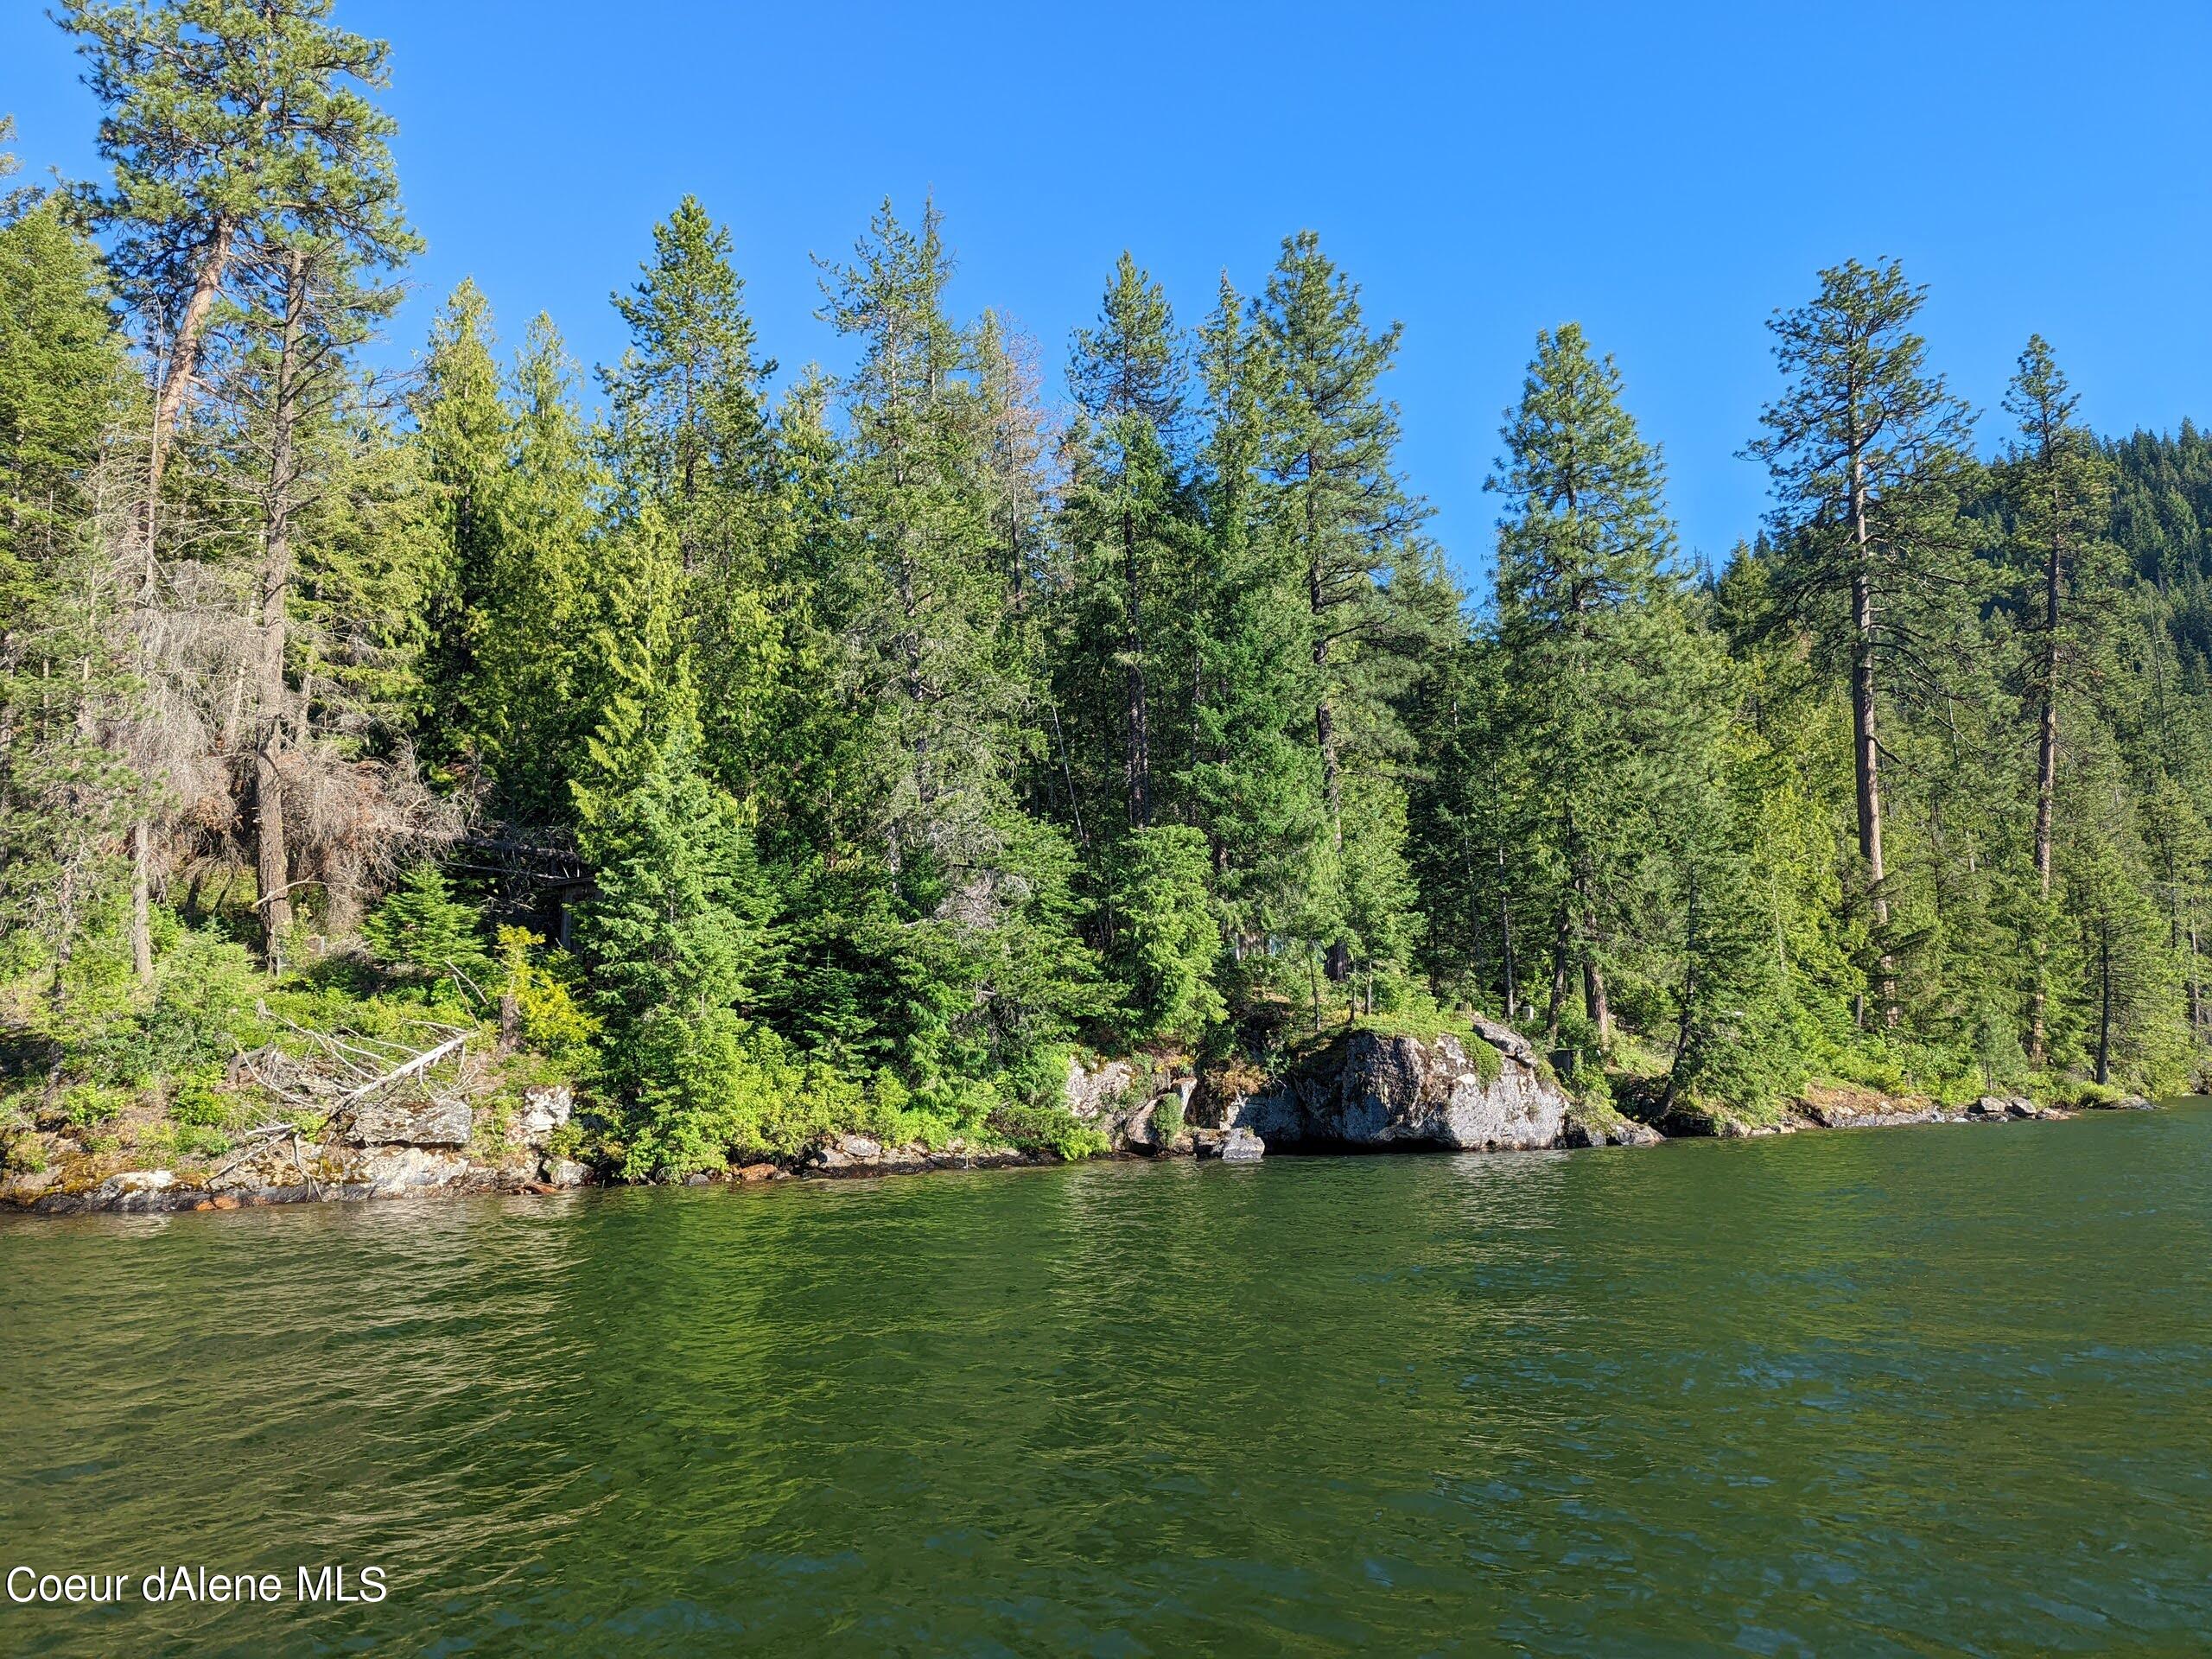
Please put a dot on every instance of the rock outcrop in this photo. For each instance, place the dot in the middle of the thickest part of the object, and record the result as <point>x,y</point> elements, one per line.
<point>1136,1113</point>
<point>544,1110</point>
<point>444,1121</point>
<point>1368,1090</point>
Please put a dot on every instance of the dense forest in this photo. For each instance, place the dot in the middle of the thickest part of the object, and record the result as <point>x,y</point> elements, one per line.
<point>775,753</point>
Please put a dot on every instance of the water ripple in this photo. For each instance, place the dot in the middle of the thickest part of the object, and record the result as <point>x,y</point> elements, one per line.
<point>1894,1393</point>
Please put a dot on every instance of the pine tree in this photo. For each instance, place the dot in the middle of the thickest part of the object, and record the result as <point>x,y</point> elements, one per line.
<point>529,633</point>
<point>463,429</point>
<point>2058,490</point>
<point>971,920</point>
<point>1865,446</point>
<point>1612,695</point>
<point>1332,507</point>
<point>1255,777</point>
<point>66,789</point>
<point>1127,527</point>
<point>674,932</point>
<point>690,431</point>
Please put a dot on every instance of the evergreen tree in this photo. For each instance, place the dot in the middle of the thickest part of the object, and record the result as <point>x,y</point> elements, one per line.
<point>1127,527</point>
<point>674,931</point>
<point>463,429</point>
<point>971,921</point>
<point>65,786</point>
<point>1332,505</point>
<point>1865,447</point>
<point>2058,493</point>
<point>1255,776</point>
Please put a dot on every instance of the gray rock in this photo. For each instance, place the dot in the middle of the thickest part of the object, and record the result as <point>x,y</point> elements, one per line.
<point>566,1172</point>
<point>413,1123</point>
<point>845,1152</point>
<point>23,1188</point>
<point>1368,1090</point>
<point>1241,1146</point>
<point>544,1110</point>
<point>1139,1131</point>
<point>1582,1130</point>
<point>388,1172</point>
<point>1092,1092</point>
<point>137,1189</point>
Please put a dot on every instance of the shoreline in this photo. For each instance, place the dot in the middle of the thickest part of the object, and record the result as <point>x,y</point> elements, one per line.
<point>857,1157</point>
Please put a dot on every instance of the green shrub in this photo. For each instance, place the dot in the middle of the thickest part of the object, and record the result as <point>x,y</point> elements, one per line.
<point>89,1105</point>
<point>552,1020</point>
<point>422,932</point>
<point>1167,1118</point>
<point>198,1100</point>
<point>22,1152</point>
<point>1489,1063</point>
<point>1047,1128</point>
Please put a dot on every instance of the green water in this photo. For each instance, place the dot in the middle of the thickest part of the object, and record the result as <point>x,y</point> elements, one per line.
<point>1910,1391</point>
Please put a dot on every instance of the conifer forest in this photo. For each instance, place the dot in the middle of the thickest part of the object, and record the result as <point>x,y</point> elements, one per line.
<point>770,754</point>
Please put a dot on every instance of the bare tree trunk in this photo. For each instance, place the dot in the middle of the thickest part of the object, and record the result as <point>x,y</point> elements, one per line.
<point>184,350</point>
<point>272,866</point>
<point>1594,998</point>
<point>1505,941</point>
<point>141,910</point>
<point>2195,985</point>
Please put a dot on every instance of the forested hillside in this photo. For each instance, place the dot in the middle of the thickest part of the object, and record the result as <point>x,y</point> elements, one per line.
<point>772,752</point>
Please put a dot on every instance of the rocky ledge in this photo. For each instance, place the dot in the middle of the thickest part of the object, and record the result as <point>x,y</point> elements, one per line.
<point>391,1149</point>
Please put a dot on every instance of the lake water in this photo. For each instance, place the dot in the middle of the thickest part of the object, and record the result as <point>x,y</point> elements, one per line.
<point>1902,1391</point>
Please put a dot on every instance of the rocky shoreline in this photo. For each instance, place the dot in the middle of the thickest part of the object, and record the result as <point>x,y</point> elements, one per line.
<point>1360,1091</point>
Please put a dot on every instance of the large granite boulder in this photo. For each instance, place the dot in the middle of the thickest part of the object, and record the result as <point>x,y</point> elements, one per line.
<point>1369,1089</point>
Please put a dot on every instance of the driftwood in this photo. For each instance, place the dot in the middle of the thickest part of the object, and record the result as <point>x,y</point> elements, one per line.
<point>343,1069</point>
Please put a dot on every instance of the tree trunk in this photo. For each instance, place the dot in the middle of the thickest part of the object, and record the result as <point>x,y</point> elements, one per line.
<point>1593,977</point>
<point>1505,942</point>
<point>141,908</point>
<point>2046,792</point>
<point>1560,946</point>
<point>1593,998</point>
<point>272,867</point>
<point>2195,985</point>
<point>184,350</point>
<point>168,405</point>
<point>1867,752</point>
<point>2104,1005</point>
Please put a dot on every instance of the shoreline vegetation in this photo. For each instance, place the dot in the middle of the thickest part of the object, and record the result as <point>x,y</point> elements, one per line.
<point>489,774</point>
<point>1380,1090</point>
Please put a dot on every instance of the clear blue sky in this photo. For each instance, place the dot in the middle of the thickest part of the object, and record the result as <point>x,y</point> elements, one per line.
<point>1666,174</point>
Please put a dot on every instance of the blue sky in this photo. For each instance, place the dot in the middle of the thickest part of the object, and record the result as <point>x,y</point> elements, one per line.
<point>1665,175</point>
